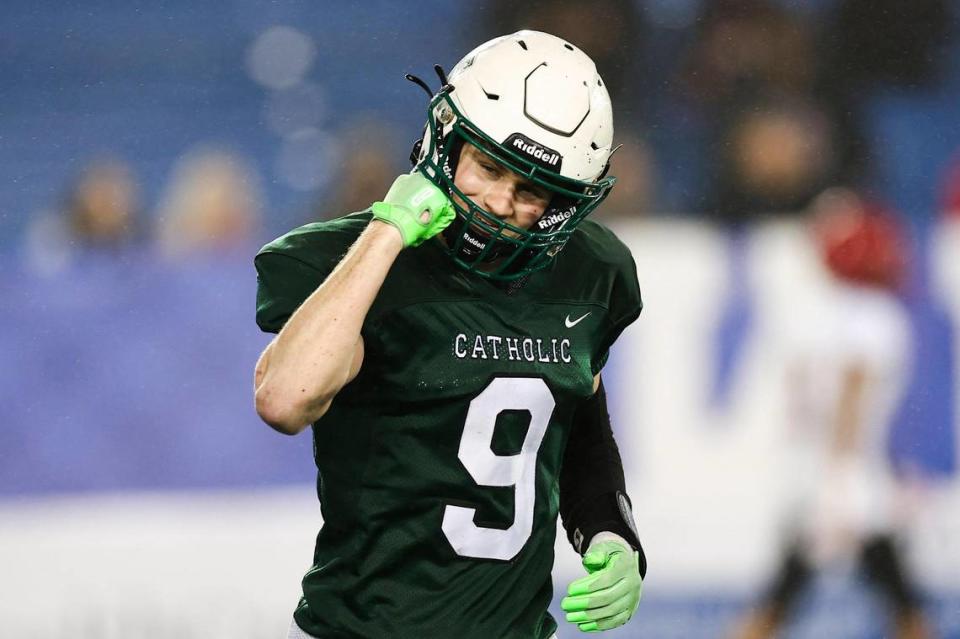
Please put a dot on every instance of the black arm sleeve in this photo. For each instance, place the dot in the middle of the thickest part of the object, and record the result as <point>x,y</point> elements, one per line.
<point>592,488</point>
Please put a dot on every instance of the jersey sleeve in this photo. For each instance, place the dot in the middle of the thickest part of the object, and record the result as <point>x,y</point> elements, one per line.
<point>291,267</point>
<point>624,304</point>
<point>283,284</point>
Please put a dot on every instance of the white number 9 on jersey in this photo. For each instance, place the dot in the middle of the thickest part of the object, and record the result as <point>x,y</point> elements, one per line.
<point>489,469</point>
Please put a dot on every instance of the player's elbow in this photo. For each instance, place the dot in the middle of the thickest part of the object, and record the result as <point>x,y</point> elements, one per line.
<point>285,414</point>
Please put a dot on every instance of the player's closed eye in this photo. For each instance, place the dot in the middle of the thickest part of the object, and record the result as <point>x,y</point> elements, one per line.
<point>490,168</point>
<point>526,191</point>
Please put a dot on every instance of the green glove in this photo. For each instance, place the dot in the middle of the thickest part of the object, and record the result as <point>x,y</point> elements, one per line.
<point>610,594</point>
<point>416,207</point>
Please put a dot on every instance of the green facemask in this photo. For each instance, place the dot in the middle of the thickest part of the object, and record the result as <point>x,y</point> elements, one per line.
<point>478,240</point>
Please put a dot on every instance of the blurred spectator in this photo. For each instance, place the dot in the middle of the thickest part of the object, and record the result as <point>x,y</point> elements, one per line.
<point>752,53</point>
<point>365,173</point>
<point>774,158</point>
<point>746,49</point>
<point>752,74</point>
<point>101,209</point>
<point>212,204</point>
<point>871,44</point>
<point>846,375</point>
<point>100,213</point>
<point>887,41</point>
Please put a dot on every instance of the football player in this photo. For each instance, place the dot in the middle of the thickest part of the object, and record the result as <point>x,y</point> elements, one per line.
<point>446,345</point>
<point>847,377</point>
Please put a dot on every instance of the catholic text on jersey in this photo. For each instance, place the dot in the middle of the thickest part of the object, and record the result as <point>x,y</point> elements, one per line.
<point>545,350</point>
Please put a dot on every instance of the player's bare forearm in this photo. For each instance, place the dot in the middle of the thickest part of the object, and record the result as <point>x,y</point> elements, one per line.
<point>320,350</point>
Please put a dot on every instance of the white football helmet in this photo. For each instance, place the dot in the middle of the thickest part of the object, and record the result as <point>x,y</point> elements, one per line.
<point>536,104</point>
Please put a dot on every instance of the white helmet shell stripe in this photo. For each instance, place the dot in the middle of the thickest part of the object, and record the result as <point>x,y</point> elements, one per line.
<point>543,88</point>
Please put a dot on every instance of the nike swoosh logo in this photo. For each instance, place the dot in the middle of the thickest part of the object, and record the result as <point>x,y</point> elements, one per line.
<point>571,324</point>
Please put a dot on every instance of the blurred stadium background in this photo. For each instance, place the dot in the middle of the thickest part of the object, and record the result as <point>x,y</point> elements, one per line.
<point>148,148</point>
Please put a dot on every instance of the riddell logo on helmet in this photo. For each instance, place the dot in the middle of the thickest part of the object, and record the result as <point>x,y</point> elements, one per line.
<point>556,218</point>
<point>535,152</point>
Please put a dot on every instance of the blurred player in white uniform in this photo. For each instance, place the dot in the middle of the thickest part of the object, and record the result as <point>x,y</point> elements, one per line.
<point>847,372</point>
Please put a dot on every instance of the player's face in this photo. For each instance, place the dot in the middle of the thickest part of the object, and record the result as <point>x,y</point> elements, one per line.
<point>508,195</point>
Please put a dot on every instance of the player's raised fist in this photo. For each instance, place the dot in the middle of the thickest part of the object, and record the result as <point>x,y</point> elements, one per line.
<point>416,207</point>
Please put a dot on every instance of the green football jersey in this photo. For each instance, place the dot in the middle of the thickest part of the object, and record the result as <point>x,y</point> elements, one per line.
<point>438,465</point>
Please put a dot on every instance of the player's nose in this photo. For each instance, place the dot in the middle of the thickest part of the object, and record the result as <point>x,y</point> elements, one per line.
<point>498,199</point>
